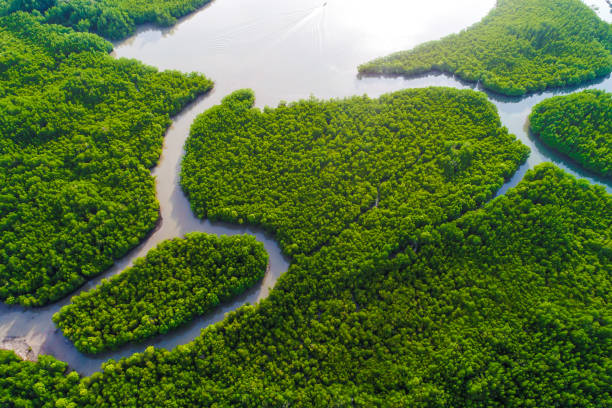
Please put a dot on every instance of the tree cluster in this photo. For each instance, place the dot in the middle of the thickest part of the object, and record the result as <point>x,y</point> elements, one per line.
<point>80,131</point>
<point>521,46</point>
<point>578,125</point>
<point>113,19</point>
<point>506,306</point>
<point>309,170</point>
<point>175,282</point>
<point>423,295</point>
<point>41,384</point>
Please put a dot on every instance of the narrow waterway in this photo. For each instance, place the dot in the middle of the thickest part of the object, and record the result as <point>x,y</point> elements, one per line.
<point>283,51</point>
<point>286,51</point>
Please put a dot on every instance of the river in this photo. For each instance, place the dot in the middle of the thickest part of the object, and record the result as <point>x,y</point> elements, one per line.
<point>283,51</point>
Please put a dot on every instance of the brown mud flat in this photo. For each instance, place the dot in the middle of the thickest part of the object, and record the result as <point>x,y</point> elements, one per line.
<point>20,346</point>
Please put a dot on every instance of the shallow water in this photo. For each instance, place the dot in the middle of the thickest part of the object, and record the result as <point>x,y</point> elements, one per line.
<point>283,51</point>
<point>313,47</point>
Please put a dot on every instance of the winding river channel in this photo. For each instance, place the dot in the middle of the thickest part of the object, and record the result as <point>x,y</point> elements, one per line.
<point>283,50</point>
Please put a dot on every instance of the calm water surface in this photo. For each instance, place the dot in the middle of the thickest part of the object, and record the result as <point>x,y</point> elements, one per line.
<point>283,51</point>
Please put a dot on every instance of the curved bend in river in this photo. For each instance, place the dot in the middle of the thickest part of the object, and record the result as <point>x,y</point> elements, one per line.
<point>578,125</point>
<point>284,51</point>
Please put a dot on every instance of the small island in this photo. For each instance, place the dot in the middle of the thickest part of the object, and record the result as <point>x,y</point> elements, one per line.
<point>309,170</point>
<point>579,126</point>
<point>80,131</point>
<point>177,281</point>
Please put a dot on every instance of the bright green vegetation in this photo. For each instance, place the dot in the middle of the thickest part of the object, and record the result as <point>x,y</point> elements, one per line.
<point>507,306</point>
<point>25,384</point>
<point>80,131</point>
<point>521,46</point>
<point>313,170</point>
<point>113,19</point>
<point>116,19</point>
<point>178,280</point>
<point>578,125</point>
<point>421,296</point>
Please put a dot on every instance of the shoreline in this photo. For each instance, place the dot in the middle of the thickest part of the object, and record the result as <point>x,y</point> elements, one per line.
<point>20,347</point>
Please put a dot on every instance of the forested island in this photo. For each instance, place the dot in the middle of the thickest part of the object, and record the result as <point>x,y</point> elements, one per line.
<point>578,125</point>
<point>177,281</point>
<point>521,46</point>
<point>80,131</point>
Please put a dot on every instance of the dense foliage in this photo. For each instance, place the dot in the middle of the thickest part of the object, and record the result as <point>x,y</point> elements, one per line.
<point>521,46</point>
<point>578,125</point>
<point>80,131</point>
<point>114,19</point>
<point>178,280</point>
<point>309,170</point>
<point>44,384</point>
<point>418,298</point>
<point>507,306</point>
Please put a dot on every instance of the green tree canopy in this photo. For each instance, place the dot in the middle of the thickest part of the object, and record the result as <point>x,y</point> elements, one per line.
<point>80,131</point>
<point>578,125</point>
<point>113,19</point>
<point>177,281</point>
<point>507,306</point>
<point>521,46</point>
<point>41,384</point>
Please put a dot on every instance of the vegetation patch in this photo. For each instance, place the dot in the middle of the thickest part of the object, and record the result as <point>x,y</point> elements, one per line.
<point>310,170</point>
<point>112,19</point>
<point>521,46</point>
<point>578,125</point>
<point>175,282</point>
<point>42,384</point>
<point>423,296</point>
<point>80,131</point>
<point>503,307</point>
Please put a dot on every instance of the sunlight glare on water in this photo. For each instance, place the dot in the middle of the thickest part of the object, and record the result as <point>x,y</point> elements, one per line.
<point>290,50</point>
